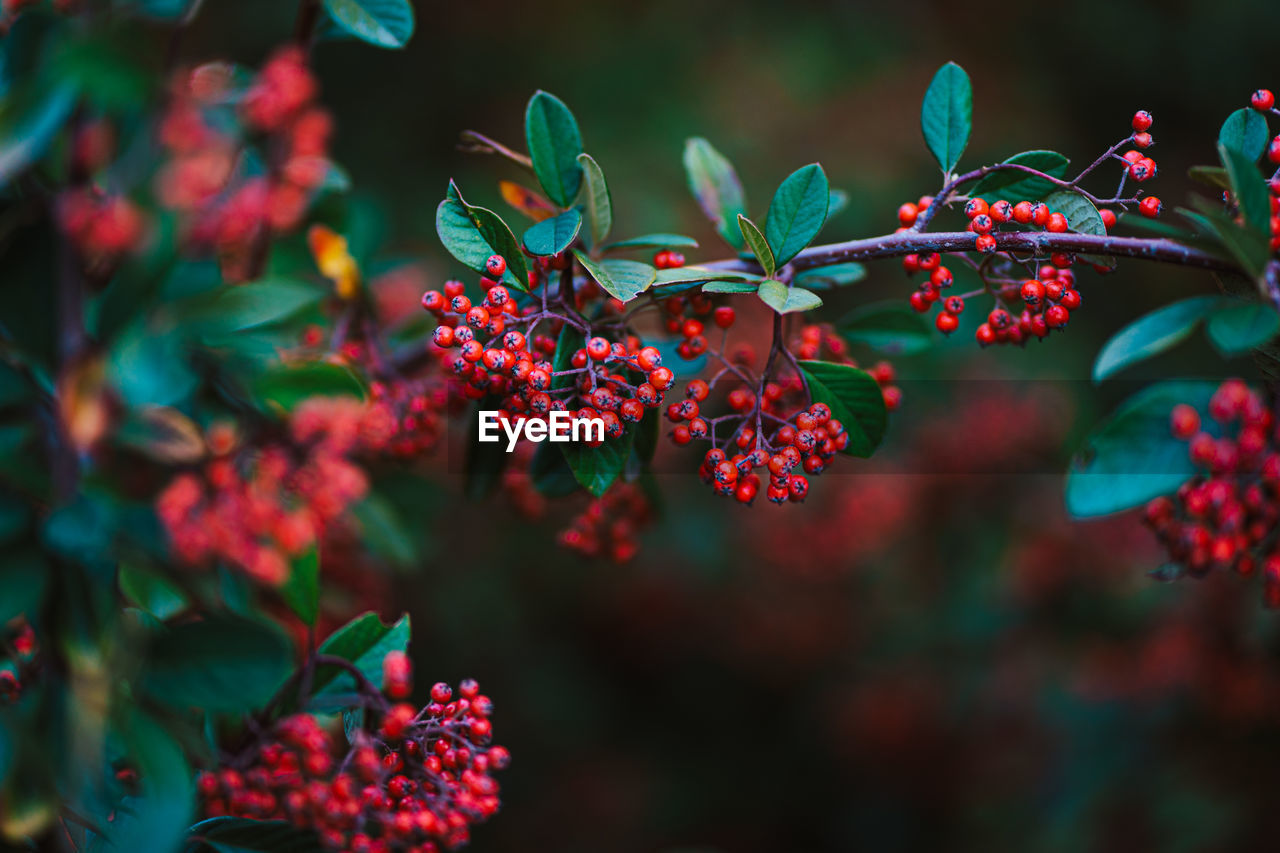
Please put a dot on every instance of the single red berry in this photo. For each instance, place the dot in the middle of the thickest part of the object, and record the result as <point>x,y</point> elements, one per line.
<point>1032,292</point>
<point>1056,223</point>
<point>443,336</point>
<point>495,267</point>
<point>1262,100</point>
<point>1150,207</point>
<point>975,207</point>
<point>1108,218</point>
<point>1040,213</point>
<point>907,213</point>
<point>1022,212</point>
<point>598,349</point>
<point>947,323</point>
<point>649,358</point>
<point>1184,421</point>
<point>985,243</point>
<point>1001,211</point>
<point>953,305</point>
<point>1142,140</point>
<point>1055,316</point>
<point>1070,299</point>
<point>985,335</point>
<point>724,316</point>
<point>1142,120</point>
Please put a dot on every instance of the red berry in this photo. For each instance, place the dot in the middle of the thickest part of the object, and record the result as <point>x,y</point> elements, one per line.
<point>724,316</point>
<point>495,267</point>
<point>907,213</point>
<point>1262,100</point>
<point>1022,212</point>
<point>975,207</point>
<point>985,243</point>
<point>1056,222</point>
<point>1184,421</point>
<point>947,323</point>
<point>1055,316</point>
<point>1142,120</point>
<point>1150,207</point>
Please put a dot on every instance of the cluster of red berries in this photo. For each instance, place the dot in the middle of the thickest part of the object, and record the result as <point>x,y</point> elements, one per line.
<point>258,508</point>
<point>668,260</point>
<point>1264,101</point>
<point>17,667</point>
<point>1048,300</point>
<point>495,359</point>
<point>609,525</point>
<point>1227,516</point>
<point>413,781</point>
<point>202,179</point>
<point>689,318</point>
<point>803,435</point>
<point>820,341</point>
<point>102,227</point>
<point>414,410</point>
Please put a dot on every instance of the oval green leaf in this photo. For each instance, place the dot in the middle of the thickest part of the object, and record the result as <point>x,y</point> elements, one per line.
<point>1132,457</point>
<point>554,145</point>
<point>797,212</point>
<point>715,185</point>
<point>471,234</point>
<point>887,327</point>
<point>787,300</point>
<point>654,241</point>
<point>758,245</point>
<point>595,200</point>
<point>1015,185</point>
<point>1239,327</point>
<point>1151,334</point>
<point>1081,215</point>
<point>1245,131</point>
<point>855,399</point>
<point>386,23</point>
<point>946,118</point>
<point>1248,187</point>
<point>624,280</point>
<point>552,236</point>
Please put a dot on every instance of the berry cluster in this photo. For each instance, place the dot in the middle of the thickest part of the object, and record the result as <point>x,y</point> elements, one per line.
<point>18,666</point>
<point>205,129</point>
<point>689,318</point>
<point>412,780</point>
<point>257,508</point>
<point>102,227</point>
<point>1048,301</point>
<point>1227,516</point>
<point>1264,101</point>
<point>770,424</point>
<point>495,357</point>
<point>608,526</point>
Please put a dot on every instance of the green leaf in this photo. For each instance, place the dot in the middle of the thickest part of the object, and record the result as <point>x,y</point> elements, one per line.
<point>386,23</point>
<point>1249,189</point>
<point>595,200</point>
<point>1152,334</point>
<point>684,275</point>
<point>569,342</point>
<point>1132,457</point>
<point>832,275</point>
<point>552,236</point>
<point>797,212</point>
<point>653,241</point>
<point>383,530</point>
<point>472,234</point>
<point>364,641</point>
<point>624,280</point>
<point>1245,132</point>
<point>554,145</point>
<point>301,591</point>
<point>1248,246</point>
<point>855,400</point>
<point>152,592</point>
<point>731,287</point>
<point>1015,185</point>
<point>243,835</point>
<point>24,577</point>
<point>148,365</point>
<point>946,118</point>
<point>25,137</point>
<point>1081,215</point>
<point>282,388</point>
<point>597,468</point>
<point>887,327</point>
<point>157,818</point>
<point>221,663</point>
<point>244,306</point>
<point>715,185</point>
<point>1239,327</point>
<point>485,460</point>
<point>551,473</point>
<point>838,202</point>
<point>787,300</point>
<point>1212,176</point>
<point>759,245</point>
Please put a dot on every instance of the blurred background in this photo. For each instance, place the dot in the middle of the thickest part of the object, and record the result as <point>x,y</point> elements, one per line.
<point>928,653</point>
